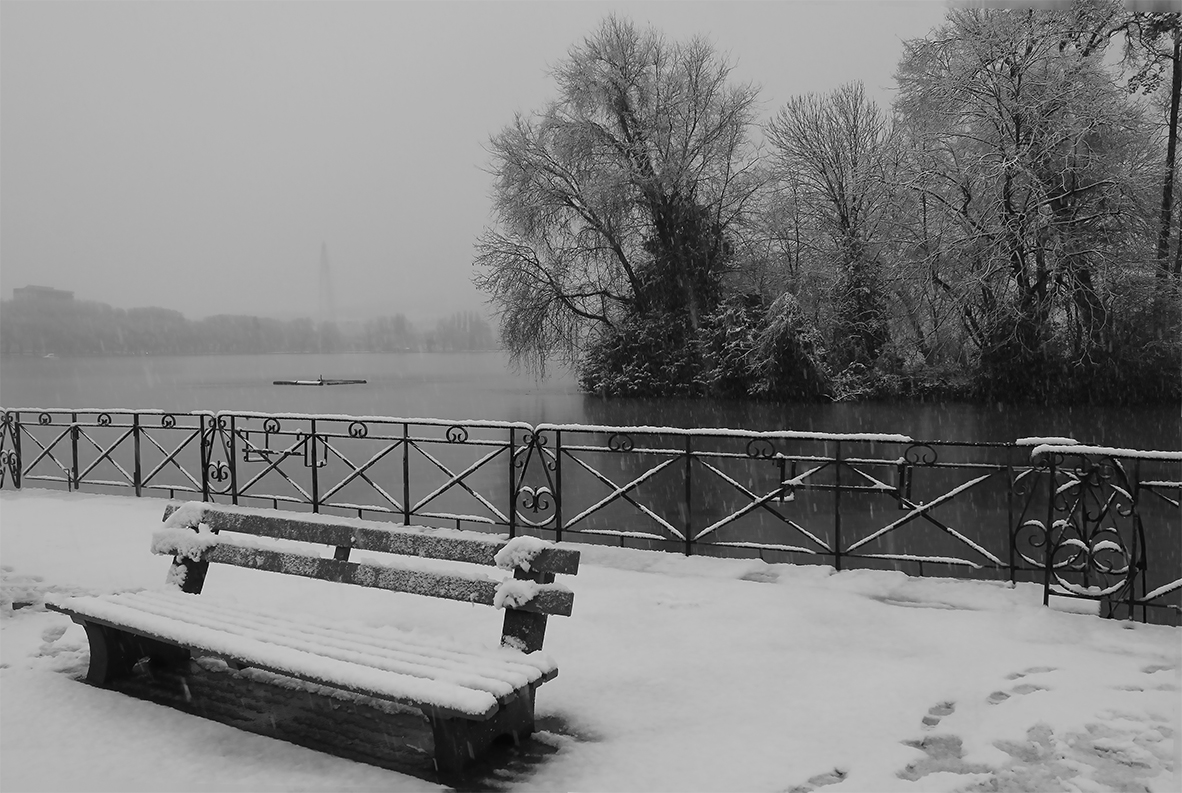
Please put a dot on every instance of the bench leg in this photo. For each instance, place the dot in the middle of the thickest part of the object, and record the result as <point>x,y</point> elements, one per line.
<point>114,654</point>
<point>460,741</point>
<point>110,654</point>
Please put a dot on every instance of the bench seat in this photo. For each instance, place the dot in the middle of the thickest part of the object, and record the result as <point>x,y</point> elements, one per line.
<point>422,704</point>
<point>451,678</point>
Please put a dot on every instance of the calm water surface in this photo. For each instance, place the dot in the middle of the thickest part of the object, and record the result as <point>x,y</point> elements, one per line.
<point>483,386</point>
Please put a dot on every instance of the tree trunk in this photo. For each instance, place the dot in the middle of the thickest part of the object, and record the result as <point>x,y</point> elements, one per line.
<point>1167,193</point>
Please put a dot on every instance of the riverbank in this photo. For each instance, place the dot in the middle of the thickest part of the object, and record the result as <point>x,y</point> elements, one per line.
<point>676,674</point>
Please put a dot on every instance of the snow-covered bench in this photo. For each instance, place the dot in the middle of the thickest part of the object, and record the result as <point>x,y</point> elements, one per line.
<point>394,699</point>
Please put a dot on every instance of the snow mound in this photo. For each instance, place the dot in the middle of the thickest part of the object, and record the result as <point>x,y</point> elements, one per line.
<point>514,594</point>
<point>520,552</point>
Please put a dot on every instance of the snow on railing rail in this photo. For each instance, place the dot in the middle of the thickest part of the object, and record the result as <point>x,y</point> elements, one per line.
<point>869,437</point>
<point>114,411</point>
<point>1038,441</point>
<point>1105,451</point>
<point>429,422</point>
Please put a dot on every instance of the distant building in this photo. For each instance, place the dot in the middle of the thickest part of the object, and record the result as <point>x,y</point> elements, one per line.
<point>43,294</point>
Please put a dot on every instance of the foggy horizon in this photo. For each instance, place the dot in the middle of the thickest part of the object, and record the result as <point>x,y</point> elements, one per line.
<point>196,156</point>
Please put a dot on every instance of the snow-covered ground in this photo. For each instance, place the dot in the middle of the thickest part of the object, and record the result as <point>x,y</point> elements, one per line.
<point>675,674</point>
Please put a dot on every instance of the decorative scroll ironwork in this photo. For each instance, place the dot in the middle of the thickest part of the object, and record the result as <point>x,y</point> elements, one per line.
<point>1096,546</point>
<point>10,465</point>
<point>536,501</point>
<point>1030,542</point>
<point>761,448</point>
<point>621,442</point>
<point>920,454</point>
<point>219,471</point>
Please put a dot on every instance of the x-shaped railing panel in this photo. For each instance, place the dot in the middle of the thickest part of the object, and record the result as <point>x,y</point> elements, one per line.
<point>359,472</point>
<point>104,454</point>
<point>170,458</point>
<point>923,511</point>
<point>455,479</point>
<point>47,452</point>
<point>273,459</point>
<point>622,492</point>
<point>756,502</point>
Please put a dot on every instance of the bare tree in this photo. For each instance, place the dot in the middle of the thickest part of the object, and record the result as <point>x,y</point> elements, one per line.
<point>616,199</point>
<point>1039,158</point>
<point>836,151</point>
<point>1153,41</point>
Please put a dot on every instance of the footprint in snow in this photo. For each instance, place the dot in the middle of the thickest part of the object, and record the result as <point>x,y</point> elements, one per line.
<point>1034,670</point>
<point>945,753</point>
<point>677,603</point>
<point>820,780</point>
<point>937,712</point>
<point>997,697</point>
<point>1167,685</point>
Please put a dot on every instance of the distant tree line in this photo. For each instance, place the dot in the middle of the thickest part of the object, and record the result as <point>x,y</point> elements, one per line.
<point>1007,231</point>
<point>31,327</point>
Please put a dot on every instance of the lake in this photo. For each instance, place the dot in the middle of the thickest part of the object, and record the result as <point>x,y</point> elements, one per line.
<point>483,386</point>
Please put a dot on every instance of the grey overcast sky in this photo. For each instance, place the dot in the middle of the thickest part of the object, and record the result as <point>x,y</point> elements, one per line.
<point>195,155</point>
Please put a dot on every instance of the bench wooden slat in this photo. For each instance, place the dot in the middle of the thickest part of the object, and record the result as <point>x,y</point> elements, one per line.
<point>549,600</point>
<point>445,544</point>
<point>496,675</point>
<point>282,661</point>
<point>431,649</point>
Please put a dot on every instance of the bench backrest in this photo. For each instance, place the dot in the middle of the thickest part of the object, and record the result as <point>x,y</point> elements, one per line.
<point>198,534</point>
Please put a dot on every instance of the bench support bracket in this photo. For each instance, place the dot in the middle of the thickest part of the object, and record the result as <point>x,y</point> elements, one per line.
<point>525,630</point>
<point>459,741</point>
<point>114,653</point>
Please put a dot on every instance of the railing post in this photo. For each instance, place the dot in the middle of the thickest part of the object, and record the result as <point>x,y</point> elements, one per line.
<point>233,459</point>
<point>1010,527</point>
<point>74,485</point>
<point>315,470</point>
<point>1141,555</point>
<point>16,448</point>
<point>135,437</point>
<point>1079,509</point>
<point>206,444</point>
<point>512,483</point>
<point>1049,548</point>
<point>558,486</point>
<point>837,508</point>
<point>405,474</point>
<point>689,493</point>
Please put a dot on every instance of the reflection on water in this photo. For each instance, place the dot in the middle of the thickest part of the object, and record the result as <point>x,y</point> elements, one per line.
<point>482,386</point>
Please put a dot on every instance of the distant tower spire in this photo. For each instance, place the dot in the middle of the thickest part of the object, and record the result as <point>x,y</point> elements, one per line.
<point>327,303</point>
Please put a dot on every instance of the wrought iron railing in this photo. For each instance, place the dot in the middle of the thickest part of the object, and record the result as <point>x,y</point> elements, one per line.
<point>855,499</point>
